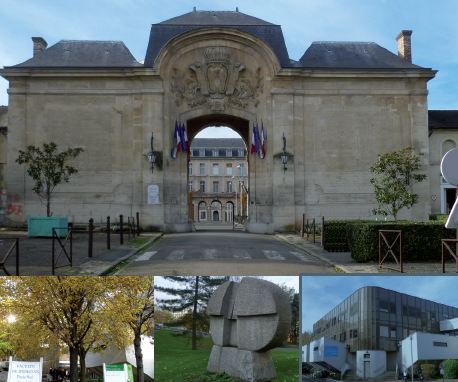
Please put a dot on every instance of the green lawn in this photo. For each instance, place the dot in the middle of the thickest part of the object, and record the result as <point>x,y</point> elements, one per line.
<point>175,361</point>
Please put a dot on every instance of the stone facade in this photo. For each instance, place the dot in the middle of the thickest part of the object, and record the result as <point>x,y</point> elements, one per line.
<point>443,136</point>
<point>217,178</point>
<point>336,120</point>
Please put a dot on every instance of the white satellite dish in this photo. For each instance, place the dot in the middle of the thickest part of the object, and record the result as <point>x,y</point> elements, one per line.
<point>449,167</point>
<point>449,170</point>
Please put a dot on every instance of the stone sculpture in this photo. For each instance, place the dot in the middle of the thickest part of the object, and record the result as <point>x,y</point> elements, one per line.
<point>247,320</point>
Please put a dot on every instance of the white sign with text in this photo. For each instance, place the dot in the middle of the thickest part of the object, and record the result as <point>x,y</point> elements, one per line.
<point>19,371</point>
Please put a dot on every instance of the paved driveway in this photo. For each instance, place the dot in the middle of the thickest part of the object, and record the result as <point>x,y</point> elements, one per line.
<point>223,253</point>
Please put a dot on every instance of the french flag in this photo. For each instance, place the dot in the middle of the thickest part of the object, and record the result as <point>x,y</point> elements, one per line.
<point>184,138</point>
<point>253,140</point>
<point>263,142</point>
<point>176,140</point>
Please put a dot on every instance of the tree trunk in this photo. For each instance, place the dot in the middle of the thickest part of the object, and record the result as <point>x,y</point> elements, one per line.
<point>82,372</point>
<point>194,314</point>
<point>139,356</point>
<point>48,204</point>
<point>73,363</point>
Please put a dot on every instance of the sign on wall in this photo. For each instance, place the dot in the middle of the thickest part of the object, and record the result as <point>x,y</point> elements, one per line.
<point>153,194</point>
<point>331,351</point>
<point>19,371</point>
<point>117,373</point>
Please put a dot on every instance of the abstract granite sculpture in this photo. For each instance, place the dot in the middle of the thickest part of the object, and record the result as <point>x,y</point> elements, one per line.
<point>247,320</point>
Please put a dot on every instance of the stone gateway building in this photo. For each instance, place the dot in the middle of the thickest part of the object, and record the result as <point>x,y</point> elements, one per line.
<point>338,107</point>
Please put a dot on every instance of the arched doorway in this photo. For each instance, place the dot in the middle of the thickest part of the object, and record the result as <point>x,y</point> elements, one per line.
<point>216,211</point>
<point>229,212</point>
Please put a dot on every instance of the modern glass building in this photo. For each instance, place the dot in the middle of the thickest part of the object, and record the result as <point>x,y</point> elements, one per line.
<point>374,318</point>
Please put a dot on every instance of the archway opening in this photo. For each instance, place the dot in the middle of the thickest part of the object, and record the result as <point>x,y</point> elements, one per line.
<point>218,175</point>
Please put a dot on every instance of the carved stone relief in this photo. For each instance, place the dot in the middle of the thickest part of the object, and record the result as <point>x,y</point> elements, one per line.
<point>218,80</point>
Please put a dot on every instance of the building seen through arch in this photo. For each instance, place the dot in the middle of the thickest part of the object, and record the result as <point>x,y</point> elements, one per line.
<point>218,179</point>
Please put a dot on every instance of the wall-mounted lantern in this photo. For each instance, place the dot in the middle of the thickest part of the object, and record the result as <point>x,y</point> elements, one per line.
<point>151,155</point>
<point>284,155</point>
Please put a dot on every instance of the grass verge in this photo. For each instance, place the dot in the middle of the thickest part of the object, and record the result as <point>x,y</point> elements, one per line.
<point>176,362</point>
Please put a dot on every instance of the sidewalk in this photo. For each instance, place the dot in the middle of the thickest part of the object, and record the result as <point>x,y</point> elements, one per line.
<point>35,256</point>
<point>343,262</point>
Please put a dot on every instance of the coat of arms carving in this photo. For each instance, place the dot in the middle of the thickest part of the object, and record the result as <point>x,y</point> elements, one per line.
<point>217,80</point>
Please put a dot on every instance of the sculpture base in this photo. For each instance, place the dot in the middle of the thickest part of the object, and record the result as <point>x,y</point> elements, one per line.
<point>244,364</point>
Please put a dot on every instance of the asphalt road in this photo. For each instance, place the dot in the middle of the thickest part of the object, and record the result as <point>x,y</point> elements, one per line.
<point>222,253</point>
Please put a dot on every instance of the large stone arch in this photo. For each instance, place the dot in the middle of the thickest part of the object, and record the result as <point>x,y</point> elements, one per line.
<point>220,77</point>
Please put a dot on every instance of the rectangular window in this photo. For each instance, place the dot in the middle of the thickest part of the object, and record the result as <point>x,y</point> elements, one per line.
<point>202,169</point>
<point>440,344</point>
<point>229,169</point>
<point>190,168</point>
<point>215,169</point>
<point>201,152</point>
<point>229,186</point>
<point>202,186</point>
<point>208,153</point>
<point>393,332</point>
<point>383,331</point>
<point>228,152</point>
<point>221,153</point>
<point>215,187</point>
<point>203,215</point>
<point>196,153</point>
<point>241,168</point>
<point>241,152</point>
<point>190,185</point>
<point>215,153</point>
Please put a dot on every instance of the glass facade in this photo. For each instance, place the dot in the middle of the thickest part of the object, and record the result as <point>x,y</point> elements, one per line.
<point>374,318</point>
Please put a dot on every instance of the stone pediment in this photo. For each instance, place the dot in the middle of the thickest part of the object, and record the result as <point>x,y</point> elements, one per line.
<point>218,80</point>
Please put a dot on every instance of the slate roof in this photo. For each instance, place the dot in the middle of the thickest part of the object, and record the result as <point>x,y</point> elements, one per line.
<point>269,33</point>
<point>442,119</point>
<point>83,54</point>
<point>217,143</point>
<point>352,55</point>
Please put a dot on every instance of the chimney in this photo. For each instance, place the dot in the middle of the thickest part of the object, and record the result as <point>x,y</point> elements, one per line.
<point>39,45</point>
<point>404,45</point>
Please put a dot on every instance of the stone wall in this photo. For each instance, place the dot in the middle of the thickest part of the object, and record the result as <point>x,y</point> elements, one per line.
<point>335,124</point>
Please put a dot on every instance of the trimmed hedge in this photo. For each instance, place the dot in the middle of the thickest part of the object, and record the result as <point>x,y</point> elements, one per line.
<point>420,241</point>
<point>335,236</point>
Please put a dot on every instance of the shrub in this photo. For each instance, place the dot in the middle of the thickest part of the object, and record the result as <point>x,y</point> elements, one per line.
<point>420,241</point>
<point>451,368</point>
<point>429,370</point>
<point>335,238</point>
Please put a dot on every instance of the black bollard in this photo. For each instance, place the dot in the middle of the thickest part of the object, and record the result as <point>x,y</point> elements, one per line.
<point>121,230</point>
<point>108,233</point>
<point>91,236</point>
<point>138,223</point>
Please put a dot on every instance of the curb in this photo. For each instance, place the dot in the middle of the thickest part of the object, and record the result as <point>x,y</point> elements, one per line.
<point>319,257</point>
<point>108,268</point>
<point>129,255</point>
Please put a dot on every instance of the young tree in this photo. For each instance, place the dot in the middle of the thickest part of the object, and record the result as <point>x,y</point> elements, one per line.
<point>293,335</point>
<point>136,297</point>
<point>395,173</point>
<point>193,294</point>
<point>48,168</point>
